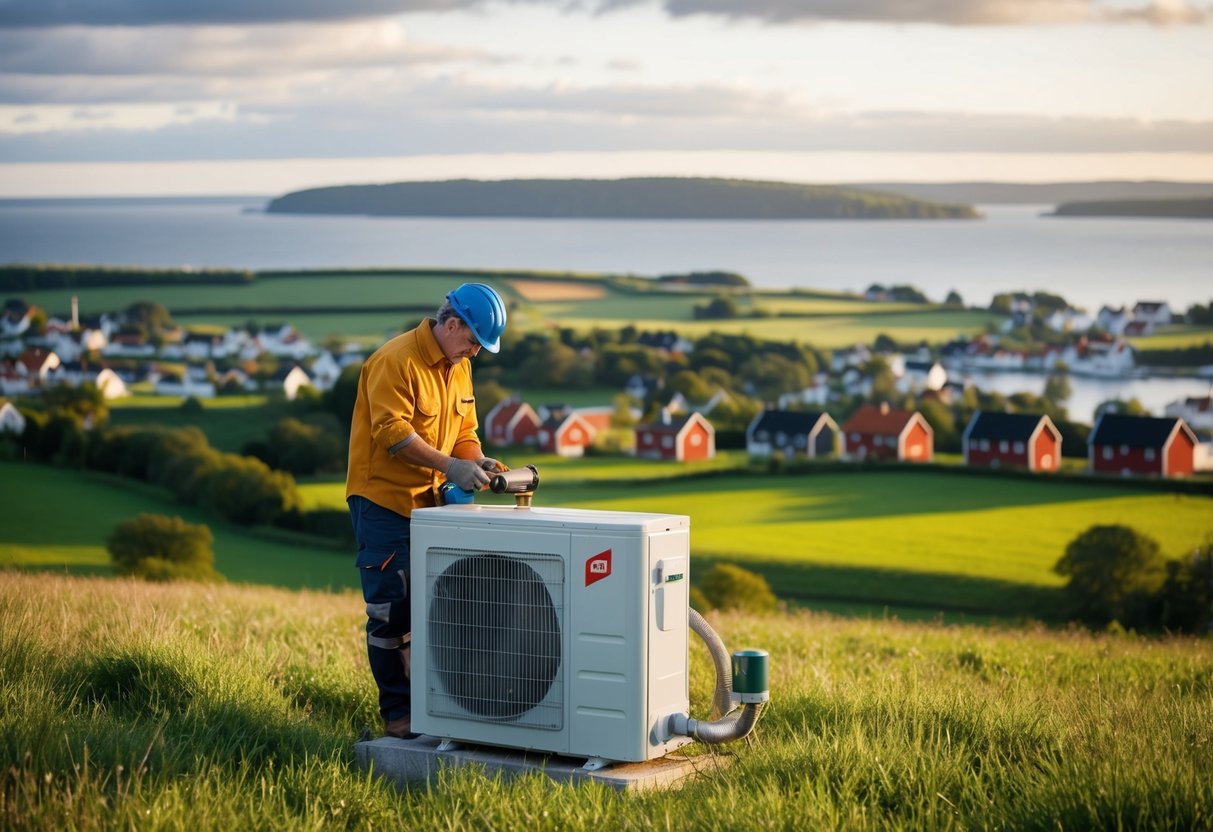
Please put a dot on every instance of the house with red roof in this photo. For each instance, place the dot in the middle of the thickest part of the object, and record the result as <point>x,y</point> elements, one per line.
<point>567,434</point>
<point>682,438</point>
<point>1012,440</point>
<point>1141,445</point>
<point>882,432</point>
<point>511,422</point>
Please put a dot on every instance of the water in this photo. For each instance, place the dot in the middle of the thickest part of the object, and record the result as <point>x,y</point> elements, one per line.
<point>1089,261</point>
<point>1086,394</point>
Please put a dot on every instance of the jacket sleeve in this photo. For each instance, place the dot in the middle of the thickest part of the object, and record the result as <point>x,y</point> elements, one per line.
<point>389,395</point>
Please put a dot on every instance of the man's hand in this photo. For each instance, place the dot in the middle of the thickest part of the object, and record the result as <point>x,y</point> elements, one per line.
<point>467,475</point>
<point>491,465</point>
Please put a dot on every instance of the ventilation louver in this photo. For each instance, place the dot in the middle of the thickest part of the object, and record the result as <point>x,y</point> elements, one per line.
<point>494,627</point>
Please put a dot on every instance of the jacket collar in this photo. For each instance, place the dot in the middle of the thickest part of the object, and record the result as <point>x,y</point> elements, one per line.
<point>428,344</point>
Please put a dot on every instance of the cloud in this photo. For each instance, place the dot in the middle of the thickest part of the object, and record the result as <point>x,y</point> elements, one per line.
<point>219,51</point>
<point>45,13</point>
<point>946,12</point>
<point>39,13</point>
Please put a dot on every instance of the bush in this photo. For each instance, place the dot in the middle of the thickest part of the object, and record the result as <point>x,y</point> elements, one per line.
<point>1113,570</point>
<point>699,602</point>
<point>161,548</point>
<point>730,587</point>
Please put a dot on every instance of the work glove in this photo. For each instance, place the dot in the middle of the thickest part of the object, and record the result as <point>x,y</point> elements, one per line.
<point>467,475</point>
<point>491,465</point>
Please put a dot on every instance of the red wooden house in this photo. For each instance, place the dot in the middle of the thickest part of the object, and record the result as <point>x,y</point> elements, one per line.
<point>684,438</point>
<point>567,434</point>
<point>1146,445</point>
<point>1012,440</point>
<point>881,432</point>
<point>511,422</point>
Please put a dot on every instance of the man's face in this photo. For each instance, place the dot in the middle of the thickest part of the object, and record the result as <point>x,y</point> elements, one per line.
<point>458,341</point>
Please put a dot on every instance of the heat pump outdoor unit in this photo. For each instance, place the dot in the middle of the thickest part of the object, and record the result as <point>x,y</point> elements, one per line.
<point>557,630</point>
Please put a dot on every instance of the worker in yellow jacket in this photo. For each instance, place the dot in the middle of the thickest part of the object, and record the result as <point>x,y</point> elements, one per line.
<point>414,426</point>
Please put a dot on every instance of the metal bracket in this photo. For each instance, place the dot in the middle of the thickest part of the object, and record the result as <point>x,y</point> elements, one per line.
<point>596,763</point>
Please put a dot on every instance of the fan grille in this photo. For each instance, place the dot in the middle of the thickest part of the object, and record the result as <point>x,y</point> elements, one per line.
<point>493,627</point>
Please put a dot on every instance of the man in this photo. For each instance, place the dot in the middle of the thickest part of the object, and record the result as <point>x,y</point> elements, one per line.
<point>414,426</point>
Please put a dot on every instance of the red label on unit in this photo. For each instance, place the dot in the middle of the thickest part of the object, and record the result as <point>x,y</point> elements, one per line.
<point>598,567</point>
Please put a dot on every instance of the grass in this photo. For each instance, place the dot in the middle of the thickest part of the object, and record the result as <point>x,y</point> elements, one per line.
<point>927,539</point>
<point>229,422</point>
<point>216,708</point>
<point>1175,338</point>
<point>822,319</point>
<point>59,519</point>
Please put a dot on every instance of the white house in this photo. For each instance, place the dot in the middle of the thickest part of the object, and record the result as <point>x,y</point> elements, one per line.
<point>173,386</point>
<point>1197,411</point>
<point>921,375</point>
<point>295,378</point>
<point>1113,320</point>
<point>1154,313</point>
<point>11,419</point>
<point>325,371</point>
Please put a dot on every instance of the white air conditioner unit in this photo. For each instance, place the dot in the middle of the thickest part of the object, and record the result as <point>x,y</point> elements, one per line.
<point>555,630</point>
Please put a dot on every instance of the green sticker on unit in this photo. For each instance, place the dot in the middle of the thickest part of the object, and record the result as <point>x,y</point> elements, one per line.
<point>677,576</point>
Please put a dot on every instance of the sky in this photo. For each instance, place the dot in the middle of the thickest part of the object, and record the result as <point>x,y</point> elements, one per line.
<point>176,97</point>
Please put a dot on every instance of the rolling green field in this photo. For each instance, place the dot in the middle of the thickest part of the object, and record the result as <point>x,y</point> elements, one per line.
<point>1175,338</point>
<point>932,539</point>
<point>924,540</point>
<point>60,519</point>
<point>822,319</point>
<point>229,422</point>
<point>129,705</point>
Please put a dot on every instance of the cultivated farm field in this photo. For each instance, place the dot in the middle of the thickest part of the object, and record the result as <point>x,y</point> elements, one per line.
<point>181,706</point>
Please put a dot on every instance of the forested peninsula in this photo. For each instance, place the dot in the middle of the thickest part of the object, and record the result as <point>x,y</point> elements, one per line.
<point>640,198</point>
<point>1201,209</point>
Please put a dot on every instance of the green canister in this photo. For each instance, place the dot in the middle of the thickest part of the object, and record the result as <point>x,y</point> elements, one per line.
<point>750,675</point>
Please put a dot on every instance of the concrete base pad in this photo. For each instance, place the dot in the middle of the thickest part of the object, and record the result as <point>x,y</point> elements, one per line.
<point>418,760</point>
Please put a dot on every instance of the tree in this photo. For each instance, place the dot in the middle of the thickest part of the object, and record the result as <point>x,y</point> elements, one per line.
<point>1057,391</point>
<point>162,548</point>
<point>1186,599</point>
<point>730,587</point>
<point>721,307</point>
<point>1113,570</point>
<point>954,299</point>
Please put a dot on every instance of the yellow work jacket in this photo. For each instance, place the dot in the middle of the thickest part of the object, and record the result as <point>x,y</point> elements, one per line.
<point>407,387</point>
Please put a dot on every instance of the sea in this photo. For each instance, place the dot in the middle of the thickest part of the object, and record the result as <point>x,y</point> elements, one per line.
<point>1089,261</point>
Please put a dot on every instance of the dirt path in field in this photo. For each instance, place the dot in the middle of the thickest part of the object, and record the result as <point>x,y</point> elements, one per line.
<point>539,291</point>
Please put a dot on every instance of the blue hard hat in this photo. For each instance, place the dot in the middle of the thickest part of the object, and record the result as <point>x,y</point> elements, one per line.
<point>483,310</point>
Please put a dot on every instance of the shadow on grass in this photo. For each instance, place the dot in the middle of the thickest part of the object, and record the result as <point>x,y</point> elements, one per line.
<point>865,591</point>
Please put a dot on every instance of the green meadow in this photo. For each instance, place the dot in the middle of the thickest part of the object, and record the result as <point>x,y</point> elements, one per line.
<point>56,519</point>
<point>138,706</point>
<point>229,422</point>
<point>369,306</point>
<point>928,539</point>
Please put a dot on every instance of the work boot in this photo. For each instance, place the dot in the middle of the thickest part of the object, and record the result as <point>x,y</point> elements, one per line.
<point>401,729</point>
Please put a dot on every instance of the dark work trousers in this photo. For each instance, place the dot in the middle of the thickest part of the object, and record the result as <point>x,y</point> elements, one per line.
<point>383,563</point>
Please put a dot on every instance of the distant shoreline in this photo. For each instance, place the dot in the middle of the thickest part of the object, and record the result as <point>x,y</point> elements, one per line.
<point>658,198</point>
<point>1192,209</point>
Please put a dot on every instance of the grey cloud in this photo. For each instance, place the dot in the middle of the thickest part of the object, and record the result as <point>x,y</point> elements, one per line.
<point>218,51</point>
<point>38,13</point>
<point>946,12</point>
<point>446,117</point>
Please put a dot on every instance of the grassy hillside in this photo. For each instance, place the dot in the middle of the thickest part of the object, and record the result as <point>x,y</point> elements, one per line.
<point>369,306</point>
<point>1189,208</point>
<point>934,539</point>
<point>174,707</point>
<point>59,519</point>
